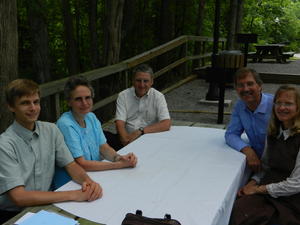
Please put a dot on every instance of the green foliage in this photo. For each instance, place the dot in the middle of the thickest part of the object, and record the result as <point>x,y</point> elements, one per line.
<point>275,21</point>
<point>64,107</point>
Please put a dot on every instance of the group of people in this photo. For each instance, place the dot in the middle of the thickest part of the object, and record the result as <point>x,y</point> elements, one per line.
<point>272,125</point>
<point>37,157</point>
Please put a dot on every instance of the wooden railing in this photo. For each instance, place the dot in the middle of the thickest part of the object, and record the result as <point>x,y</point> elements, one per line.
<point>55,88</point>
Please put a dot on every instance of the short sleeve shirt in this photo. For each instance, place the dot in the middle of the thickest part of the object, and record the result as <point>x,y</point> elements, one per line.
<point>82,141</point>
<point>28,158</point>
<point>140,112</point>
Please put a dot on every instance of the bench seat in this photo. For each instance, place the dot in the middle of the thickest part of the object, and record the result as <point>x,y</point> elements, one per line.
<point>286,55</point>
<point>289,54</point>
<point>251,55</point>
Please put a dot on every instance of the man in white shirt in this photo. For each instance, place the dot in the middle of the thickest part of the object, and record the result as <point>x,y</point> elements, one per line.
<point>141,109</point>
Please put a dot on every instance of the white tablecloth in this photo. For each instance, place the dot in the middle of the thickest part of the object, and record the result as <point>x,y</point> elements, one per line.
<point>188,172</point>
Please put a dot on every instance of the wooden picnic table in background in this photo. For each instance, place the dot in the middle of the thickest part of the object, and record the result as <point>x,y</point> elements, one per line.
<point>270,51</point>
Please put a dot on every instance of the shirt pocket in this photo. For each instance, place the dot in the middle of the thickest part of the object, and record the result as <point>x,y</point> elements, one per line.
<point>150,114</point>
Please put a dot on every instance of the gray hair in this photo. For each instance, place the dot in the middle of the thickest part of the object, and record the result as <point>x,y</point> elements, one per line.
<point>73,83</point>
<point>144,68</point>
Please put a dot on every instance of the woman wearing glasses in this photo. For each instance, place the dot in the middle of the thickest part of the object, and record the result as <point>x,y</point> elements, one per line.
<point>273,195</point>
<point>83,133</point>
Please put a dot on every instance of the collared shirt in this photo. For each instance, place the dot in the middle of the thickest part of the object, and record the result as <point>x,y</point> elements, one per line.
<point>254,124</point>
<point>28,158</point>
<point>287,187</point>
<point>141,112</point>
<point>82,141</point>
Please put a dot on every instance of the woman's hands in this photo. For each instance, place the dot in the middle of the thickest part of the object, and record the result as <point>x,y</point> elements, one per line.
<point>128,160</point>
<point>252,188</point>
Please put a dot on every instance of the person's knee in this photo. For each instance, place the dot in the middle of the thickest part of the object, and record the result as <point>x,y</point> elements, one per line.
<point>251,209</point>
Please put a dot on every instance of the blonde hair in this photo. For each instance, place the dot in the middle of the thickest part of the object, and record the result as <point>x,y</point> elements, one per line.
<point>274,124</point>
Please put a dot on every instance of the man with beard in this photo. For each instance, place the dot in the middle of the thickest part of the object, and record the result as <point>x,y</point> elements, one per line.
<point>251,115</point>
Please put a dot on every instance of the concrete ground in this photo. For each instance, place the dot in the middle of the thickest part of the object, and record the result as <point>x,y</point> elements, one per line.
<point>185,103</point>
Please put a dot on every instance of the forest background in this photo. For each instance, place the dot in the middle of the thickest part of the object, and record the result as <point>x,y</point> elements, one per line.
<point>46,40</point>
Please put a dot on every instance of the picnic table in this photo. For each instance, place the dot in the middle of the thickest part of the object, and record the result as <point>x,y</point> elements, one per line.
<point>270,51</point>
<point>188,172</point>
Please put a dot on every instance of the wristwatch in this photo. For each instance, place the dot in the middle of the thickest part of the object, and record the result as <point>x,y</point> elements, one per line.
<point>142,130</point>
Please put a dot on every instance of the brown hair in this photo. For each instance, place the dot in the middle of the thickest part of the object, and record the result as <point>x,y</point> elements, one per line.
<point>18,88</point>
<point>243,72</point>
<point>274,124</point>
<point>73,83</point>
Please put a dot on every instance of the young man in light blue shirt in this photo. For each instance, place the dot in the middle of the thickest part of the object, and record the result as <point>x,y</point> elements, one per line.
<point>251,115</point>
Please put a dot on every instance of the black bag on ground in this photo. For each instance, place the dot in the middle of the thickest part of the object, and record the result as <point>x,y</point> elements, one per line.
<point>139,219</point>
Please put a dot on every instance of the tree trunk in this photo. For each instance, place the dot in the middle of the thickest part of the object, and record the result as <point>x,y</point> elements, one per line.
<point>232,24</point>
<point>167,19</point>
<point>79,37</point>
<point>8,54</point>
<point>200,17</point>
<point>239,19</point>
<point>71,45</point>
<point>94,47</point>
<point>39,39</point>
<point>130,45</point>
<point>166,29</point>
<point>199,30</point>
<point>113,24</point>
<point>113,15</point>
<point>40,50</point>
<point>180,16</point>
<point>165,33</point>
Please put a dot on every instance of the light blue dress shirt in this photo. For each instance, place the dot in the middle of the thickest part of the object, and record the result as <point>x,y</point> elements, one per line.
<point>81,141</point>
<point>28,158</point>
<point>254,124</point>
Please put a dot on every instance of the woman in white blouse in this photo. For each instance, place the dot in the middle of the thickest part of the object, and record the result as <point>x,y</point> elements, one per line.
<point>272,196</point>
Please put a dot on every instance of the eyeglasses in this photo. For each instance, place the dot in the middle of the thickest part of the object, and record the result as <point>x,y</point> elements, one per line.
<point>80,99</point>
<point>284,104</point>
<point>142,81</point>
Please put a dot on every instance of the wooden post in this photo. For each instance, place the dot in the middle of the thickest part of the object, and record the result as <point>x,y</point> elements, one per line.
<point>185,66</point>
<point>216,32</point>
<point>203,50</point>
<point>212,93</point>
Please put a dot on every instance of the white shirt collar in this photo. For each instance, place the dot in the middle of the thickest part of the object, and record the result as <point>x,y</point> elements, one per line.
<point>285,133</point>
